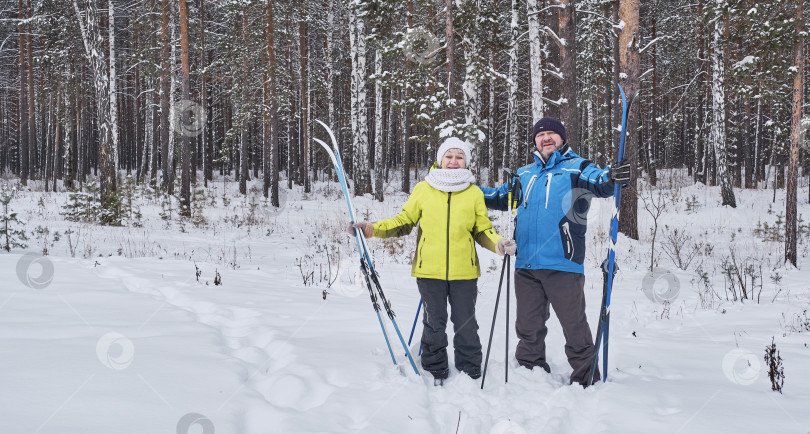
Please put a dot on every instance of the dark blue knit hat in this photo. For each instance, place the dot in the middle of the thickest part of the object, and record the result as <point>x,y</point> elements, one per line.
<point>549,124</point>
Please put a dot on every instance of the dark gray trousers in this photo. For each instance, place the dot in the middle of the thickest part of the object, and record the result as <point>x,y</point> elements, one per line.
<point>462,295</point>
<point>534,291</point>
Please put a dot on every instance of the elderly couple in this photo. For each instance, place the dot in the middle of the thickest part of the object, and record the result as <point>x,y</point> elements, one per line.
<point>451,211</point>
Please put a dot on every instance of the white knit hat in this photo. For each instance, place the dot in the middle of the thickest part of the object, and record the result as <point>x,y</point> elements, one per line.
<point>454,143</point>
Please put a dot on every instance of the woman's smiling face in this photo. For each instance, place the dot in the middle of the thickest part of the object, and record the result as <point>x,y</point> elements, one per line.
<point>454,159</point>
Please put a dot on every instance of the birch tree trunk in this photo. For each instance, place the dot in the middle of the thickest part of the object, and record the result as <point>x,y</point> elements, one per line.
<point>511,143</point>
<point>140,143</point>
<point>113,79</point>
<point>404,116</point>
<point>303,62</point>
<point>243,115</point>
<point>389,138</point>
<point>4,140</point>
<point>156,132</point>
<point>795,137</point>
<point>165,90</point>
<point>471,96</point>
<point>57,160</point>
<point>748,149</point>
<point>47,157</point>
<point>145,134</point>
<point>4,136</point>
<point>80,129</point>
<point>449,34</point>
<point>652,143</point>
<point>698,157</point>
<point>23,100</point>
<point>357,41</point>
<point>92,39</point>
<point>33,146</point>
<point>330,67</point>
<point>266,156</point>
<point>535,58</point>
<point>493,105</point>
<point>378,127</point>
<point>206,147</point>
<point>272,154</point>
<point>718,130</point>
<point>288,126</point>
<point>172,103</point>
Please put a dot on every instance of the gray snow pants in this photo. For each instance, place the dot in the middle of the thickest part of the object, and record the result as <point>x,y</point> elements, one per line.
<point>534,291</point>
<point>462,295</point>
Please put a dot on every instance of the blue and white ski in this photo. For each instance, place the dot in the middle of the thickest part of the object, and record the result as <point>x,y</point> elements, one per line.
<point>609,267</point>
<point>366,264</point>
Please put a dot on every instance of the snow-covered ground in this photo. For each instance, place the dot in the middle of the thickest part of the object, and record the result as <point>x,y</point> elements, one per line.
<point>115,330</point>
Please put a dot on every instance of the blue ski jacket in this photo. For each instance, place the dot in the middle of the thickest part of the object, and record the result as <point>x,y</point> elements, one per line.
<point>552,214</point>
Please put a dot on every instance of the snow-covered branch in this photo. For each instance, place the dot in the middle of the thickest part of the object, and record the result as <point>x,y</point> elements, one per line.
<point>555,102</point>
<point>82,29</point>
<point>557,6</point>
<point>598,15</point>
<point>560,42</point>
<point>555,74</point>
<point>641,51</point>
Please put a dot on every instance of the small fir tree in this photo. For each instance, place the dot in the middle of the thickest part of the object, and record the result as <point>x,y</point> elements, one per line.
<point>11,234</point>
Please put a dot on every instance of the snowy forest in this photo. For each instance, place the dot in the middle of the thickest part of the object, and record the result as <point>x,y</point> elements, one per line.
<point>173,243</point>
<point>170,92</point>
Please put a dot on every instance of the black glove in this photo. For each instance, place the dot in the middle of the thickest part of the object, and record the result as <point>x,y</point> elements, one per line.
<point>619,172</point>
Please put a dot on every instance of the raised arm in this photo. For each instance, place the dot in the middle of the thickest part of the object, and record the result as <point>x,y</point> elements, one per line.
<point>594,179</point>
<point>496,197</point>
<point>404,222</point>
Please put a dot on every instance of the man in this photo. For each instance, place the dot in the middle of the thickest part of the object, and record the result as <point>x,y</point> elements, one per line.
<point>550,232</point>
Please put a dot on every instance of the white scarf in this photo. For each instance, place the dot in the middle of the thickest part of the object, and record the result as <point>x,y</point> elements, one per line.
<point>450,180</point>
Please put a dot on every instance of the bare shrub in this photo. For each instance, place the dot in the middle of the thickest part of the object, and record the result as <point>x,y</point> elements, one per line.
<point>742,277</point>
<point>324,271</point>
<point>706,291</point>
<point>799,323</point>
<point>680,247</point>
<point>655,201</point>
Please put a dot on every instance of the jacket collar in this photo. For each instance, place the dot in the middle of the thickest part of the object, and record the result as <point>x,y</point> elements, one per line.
<point>561,154</point>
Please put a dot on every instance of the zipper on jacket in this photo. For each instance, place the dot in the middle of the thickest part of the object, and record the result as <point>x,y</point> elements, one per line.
<point>569,240</point>
<point>424,240</point>
<point>447,260</point>
<point>529,190</point>
<point>472,253</point>
<point>548,187</point>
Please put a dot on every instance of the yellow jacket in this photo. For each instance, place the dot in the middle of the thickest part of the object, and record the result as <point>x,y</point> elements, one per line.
<point>448,224</point>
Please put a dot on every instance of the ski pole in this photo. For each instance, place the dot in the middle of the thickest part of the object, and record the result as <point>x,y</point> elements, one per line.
<point>504,268</point>
<point>506,350</point>
<point>386,304</point>
<point>415,319</point>
<point>508,262</point>
<point>492,328</point>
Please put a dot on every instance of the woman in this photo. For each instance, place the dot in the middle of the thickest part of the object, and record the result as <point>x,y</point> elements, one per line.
<point>451,214</point>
